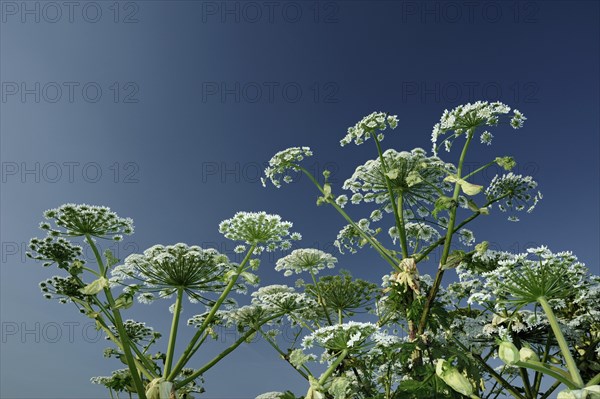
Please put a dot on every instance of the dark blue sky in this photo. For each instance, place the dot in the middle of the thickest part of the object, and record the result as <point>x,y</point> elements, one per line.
<point>167,112</point>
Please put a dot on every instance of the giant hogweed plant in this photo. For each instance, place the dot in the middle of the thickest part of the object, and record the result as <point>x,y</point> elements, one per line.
<point>106,290</point>
<point>408,337</point>
<point>539,316</point>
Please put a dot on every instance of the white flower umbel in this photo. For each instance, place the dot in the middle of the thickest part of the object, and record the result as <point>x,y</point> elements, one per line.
<point>164,269</point>
<point>57,250</point>
<point>282,163</point>
<point>516,191</point>
<point>270,395</point>
<point>412,175</point>
<point>351,336</point>
<point>81,220</point>
<point>371,124</point>
<point>305,260</point>
<point>255,228</point>
<point>469,117</point>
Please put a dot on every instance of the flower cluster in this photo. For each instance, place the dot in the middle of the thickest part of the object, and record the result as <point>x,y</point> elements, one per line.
<point>368,126</point>
<point>515,190</point>
<point>54,250</point>
<point>351,335</point>
<point>470,116</point>
<point>412,175</point>
<point>282,162</point>
<point>64,288</point>
<point>350,238</point>
<point>305,260</point>
<point>415,233</point>
<point>82,220</point>
<point>166,268</point>
<point>256,228</point>
<point>281,298</point>
<point>136,331</point>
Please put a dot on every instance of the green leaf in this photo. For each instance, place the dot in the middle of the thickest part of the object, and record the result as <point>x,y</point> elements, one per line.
<point>110,258</point>
<point>466,187</point>
<point>298,358</point>
<point>338,387</point>
<point>413,178</point>
<point>506,162</point>
<point>250,277</point>
<point>393,174</point>
<point>124,301</point>
<point>441,204</point>
<point>95,286</point>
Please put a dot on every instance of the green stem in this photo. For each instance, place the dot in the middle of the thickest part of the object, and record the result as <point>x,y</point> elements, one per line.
<point>550,390</point>
<point>555,373</point>
<point>185,356</point>
<point>538,376</point>
<point>594,381</point>
<point>562,343</point>
<point>221,355</point>
<point>374,243</point>
<point>490,370</point>
<point>173,334</point>
<point>137,382</point>
<point>333,366</point>
<point>398,213</point>
<point>450,231</point>
<point>479,170</point>
<point>283,355</point>
<point>320,298</point>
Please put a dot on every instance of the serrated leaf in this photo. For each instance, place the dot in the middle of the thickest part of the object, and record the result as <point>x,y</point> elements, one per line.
<point>506,162</point>
<point>110,258</point>
<point>124,301</point>
<point>250,277</point>
<point>95,286</point>
<point>298,358</point>
<point>441,204</point>
<point>338,387</point>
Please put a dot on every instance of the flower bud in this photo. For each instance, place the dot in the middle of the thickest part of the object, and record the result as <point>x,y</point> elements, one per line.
<point>454,378</point>
<point>527,354</point>
<point>508,353</point>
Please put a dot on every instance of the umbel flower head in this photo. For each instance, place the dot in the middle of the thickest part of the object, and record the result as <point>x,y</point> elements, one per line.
<point>256,228</point>
<point>368,126</point>
<point>165,268</point>
<point>468,117</point>
<point>282,163</point>
<point>80,220</point>
<point>65,289</point>
<point>305,260</point>
<point>412,175</point>
<point>281,298</point>
<point>351,335</point>
<point>517,191</point>
<point>54,250</point>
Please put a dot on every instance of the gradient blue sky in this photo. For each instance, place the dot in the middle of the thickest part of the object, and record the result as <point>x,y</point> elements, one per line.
<point>167,111</point>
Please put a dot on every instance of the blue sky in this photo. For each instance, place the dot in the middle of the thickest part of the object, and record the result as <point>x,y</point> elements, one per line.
<point>167,112</point>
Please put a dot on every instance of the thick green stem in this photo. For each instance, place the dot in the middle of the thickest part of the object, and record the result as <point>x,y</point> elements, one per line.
<point>398,211</point>
<point>450,231</point>
<point>490,370</point>
<point>562,343</point>
<point>186,354</point>
<point>323,378</point>
<point>139,386</point>
<point>374,243</point>
<point>173,334</point>
<point>320,298</point>
<point>283,355</point>
<point>553,372</point>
